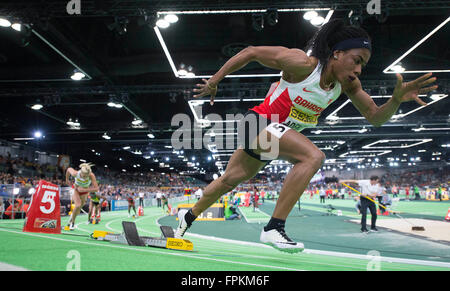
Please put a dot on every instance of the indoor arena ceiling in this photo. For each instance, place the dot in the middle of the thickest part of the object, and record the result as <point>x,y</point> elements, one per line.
<point>126,60</point>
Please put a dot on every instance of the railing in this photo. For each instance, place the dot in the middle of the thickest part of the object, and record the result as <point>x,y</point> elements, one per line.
<point>19,197</point>
<point>13,198</point>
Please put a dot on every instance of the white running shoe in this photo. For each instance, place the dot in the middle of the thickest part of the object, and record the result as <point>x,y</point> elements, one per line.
<point>278,239</point>
<point>182,224</point>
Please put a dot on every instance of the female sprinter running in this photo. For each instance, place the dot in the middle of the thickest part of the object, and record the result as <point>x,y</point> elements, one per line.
<point>85,182</point>
<point>309,83</point>
<point>94,207</point>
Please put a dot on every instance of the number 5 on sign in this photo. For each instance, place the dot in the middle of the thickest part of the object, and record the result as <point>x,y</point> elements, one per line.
<point>44,212</point>
<point>48,197</point>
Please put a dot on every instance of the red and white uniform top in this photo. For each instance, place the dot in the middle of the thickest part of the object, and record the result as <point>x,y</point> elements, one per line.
<point>298,105</point>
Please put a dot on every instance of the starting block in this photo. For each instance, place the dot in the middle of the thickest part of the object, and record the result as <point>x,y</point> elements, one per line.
<point>131,237</point>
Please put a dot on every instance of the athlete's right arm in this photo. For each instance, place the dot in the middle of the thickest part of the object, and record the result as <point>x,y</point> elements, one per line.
<point>291,61</point>
<point>70,172</point>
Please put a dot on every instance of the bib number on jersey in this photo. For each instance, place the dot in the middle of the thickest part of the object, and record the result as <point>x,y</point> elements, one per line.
<point>277,129</point>
<point>303,117</point>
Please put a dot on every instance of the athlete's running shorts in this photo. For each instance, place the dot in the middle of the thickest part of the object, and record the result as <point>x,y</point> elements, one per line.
<point>251,126</point>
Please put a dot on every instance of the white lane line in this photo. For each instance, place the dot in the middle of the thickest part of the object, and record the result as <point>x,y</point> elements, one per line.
<point>327,253</point>
<point>9,267</point>
<point>145,250</point>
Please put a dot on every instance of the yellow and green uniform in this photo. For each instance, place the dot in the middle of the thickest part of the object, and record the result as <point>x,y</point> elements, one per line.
<point>85,183</point>
<point>94,198</point>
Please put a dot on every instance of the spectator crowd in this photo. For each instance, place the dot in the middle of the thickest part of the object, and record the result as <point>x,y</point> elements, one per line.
<point>25,175</point>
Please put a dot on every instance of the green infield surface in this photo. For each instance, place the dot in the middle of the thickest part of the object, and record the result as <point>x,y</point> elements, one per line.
<point>332,242</point>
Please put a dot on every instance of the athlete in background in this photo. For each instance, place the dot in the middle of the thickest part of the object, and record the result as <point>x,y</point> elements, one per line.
<point>94,206</point>
<point>84,183</point>
<point>131,204</point>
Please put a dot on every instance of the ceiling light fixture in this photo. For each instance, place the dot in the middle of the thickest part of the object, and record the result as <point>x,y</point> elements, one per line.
<point>319,131</point>
<point>16,26</point>
<point>77,75</point>
<point>73,124</point>
<point>403,143</point>
<point>182,71</point>
<point>365,154</point>
<point>309,15</point>
<point>162,23</point>
<point>114,104</point>
<point>171,18</point>
<point>398,68</point>
<point>317,21</point>
<point>38,134</point>
<point>434,97</point>
<point>24,138</point>
<point>421,128</point>
<point>37,106</point>
<point>136,121</point>
<point>5,22</point>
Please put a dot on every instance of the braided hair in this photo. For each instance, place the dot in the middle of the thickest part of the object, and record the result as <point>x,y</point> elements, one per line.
<point>331,33</point>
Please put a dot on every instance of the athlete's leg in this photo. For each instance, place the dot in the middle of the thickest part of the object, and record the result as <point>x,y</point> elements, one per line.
<point>79,201</point>
<point>76,201</point>
<point>97,212</point>
<point>240,168</point>
<point>91,210</point>
<point>307,160</point>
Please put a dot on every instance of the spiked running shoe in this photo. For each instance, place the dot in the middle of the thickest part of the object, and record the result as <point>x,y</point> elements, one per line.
<point>183,225</point>
<point>278,239</point>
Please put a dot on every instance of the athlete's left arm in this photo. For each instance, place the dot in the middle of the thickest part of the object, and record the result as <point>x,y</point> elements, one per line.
<point>94,185</point>
<point>403,92</point>
<point>70,172</point>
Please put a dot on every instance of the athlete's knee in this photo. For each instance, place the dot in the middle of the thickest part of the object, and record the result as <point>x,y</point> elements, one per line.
<point>230,181</point>
<point>315,159</point>
<point>318,158</point>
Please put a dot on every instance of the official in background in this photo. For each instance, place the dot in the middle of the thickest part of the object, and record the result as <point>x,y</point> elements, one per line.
<point>370,188</point>
<point>322,194</point>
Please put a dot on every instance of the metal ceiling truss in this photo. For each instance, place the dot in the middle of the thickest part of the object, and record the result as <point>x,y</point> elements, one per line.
<point>258,88</point>
<point>89,8</point>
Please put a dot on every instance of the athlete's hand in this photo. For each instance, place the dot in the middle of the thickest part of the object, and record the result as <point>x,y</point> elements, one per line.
<point>205,90</point>
<point>81,190</point>
<point>409,91</point>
